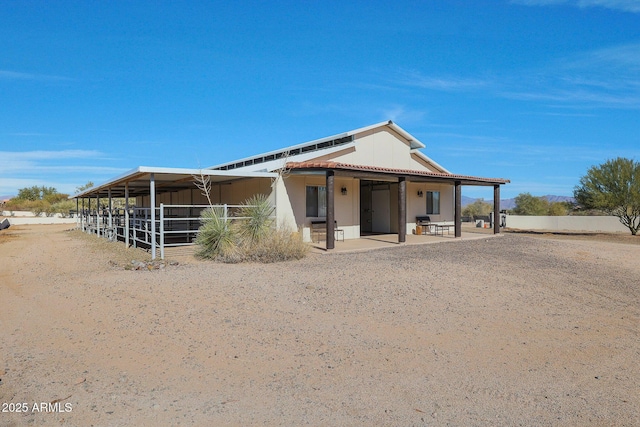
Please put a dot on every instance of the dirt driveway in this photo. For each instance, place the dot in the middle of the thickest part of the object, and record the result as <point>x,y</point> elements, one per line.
<point>513,330</point>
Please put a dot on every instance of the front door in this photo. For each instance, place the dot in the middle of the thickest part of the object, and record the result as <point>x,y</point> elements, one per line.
<point>366,214</point>
<point>381,211</point>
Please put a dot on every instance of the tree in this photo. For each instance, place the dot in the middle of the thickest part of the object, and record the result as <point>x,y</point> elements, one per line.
<point>87,186</point>
<point>526,204</point>
<point>558,208</point>
<point>39,193</point>
<point>613,187</point>
<point>477,208</point>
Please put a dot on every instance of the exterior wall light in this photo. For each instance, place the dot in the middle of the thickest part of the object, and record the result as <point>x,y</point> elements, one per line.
<point>343,190</point>
<point>420,193</point>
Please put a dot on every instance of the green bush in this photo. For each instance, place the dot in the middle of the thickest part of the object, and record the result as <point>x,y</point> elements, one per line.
<point>38,207</point>
<point>63,207</point>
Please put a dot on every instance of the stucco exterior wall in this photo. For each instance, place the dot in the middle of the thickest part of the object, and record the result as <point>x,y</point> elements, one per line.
<point>417,206</point>
<point>347,207</point>
<point>378,147</point>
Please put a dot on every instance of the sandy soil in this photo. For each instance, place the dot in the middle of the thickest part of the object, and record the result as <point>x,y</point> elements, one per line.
<point>513,330</point>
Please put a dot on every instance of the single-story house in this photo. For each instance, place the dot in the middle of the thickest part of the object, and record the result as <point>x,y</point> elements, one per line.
<point>369,180</point>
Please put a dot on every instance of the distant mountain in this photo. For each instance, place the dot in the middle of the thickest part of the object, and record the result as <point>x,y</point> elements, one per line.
<point>467,200</point>
<point>511,203</point>
<point>6,197</point>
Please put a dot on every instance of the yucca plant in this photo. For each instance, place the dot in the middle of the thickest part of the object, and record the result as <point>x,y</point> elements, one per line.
<point>217,237</point>
<point>258,222</point>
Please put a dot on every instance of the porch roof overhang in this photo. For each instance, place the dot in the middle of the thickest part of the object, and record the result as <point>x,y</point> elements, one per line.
<point>166,180</point>
<point>376,172</point>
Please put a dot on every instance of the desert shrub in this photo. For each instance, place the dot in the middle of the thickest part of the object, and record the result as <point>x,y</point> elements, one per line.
<point>279,245</point>
<point>558,209</point>
<point>50,210</point>
<point>253,238</point>
<point>63,207</point>
<point>38,207</point>
<point>217,238</point>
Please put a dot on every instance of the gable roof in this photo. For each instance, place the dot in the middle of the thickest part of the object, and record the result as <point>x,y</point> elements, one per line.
<point>273,160</point>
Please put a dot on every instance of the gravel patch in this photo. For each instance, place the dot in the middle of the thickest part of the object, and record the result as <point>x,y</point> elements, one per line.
<point>515,330</point>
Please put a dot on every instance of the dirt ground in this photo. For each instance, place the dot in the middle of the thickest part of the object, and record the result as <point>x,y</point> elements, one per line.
<point>509,330</point>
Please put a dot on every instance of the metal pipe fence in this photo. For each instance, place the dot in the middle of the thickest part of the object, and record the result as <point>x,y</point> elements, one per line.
<point>175,225</point>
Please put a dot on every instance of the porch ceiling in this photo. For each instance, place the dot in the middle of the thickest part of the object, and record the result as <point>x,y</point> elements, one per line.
<point>389,174</point>
<point>166,180</point>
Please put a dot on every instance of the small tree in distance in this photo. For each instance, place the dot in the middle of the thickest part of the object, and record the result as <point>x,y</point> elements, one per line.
<point>87,186</point>
<point>526,204</point>
<point>477,208</point>
<point>613,187</point>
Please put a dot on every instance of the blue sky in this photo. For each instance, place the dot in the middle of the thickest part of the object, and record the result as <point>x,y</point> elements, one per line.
<point>535,91</point>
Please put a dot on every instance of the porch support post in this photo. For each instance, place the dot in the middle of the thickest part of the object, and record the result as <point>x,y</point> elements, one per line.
<point>496,209</point>
<point>402,210</point>
<point>458,209</point>
<point>82,218</point>
<point>126,214</point>
<point>98,219</point>
<point>110,215</point>
<point>331,217</point>
<point>77,213</point>
<point>152,193</point>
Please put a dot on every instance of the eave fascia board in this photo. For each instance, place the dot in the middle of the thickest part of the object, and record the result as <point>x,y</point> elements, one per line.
<point>143,170</point>
<point>414,143</point>
<point>429,160</point>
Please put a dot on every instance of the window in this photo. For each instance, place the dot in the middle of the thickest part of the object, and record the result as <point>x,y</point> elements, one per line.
<point>433,202</point>
<point>316,201</point>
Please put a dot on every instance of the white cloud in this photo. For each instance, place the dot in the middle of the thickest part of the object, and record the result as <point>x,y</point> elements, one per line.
<point>10,186</point>
<point>16,75</point>
<point>64,169</point>
<point>623,5</point>
<point>399,113</point>
<point>17,161</point>
<point>608,77</point>
<point>49,155</point>
<point>416,79</point>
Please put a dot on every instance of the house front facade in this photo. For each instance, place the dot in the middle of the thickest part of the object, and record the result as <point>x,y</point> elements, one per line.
<point>371,180</point>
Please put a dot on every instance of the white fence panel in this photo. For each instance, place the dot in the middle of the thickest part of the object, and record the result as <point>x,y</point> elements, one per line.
<point>606,224</point>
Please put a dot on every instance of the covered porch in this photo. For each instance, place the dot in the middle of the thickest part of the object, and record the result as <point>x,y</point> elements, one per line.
<point>400,178</point>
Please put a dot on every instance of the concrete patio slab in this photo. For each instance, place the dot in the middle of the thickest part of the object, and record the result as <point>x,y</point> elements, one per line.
<point>380,241</point>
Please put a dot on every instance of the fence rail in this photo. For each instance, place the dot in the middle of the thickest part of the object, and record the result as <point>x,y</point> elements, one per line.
<point>168,226</point>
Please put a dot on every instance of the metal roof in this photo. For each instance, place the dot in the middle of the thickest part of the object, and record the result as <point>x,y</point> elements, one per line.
<point>330,142</point>
<point>166,179</point>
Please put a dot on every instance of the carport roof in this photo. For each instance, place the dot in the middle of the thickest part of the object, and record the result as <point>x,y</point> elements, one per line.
<point>166,179</point>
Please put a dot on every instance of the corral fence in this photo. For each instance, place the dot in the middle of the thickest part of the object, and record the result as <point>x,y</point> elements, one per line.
<point>169,226</point>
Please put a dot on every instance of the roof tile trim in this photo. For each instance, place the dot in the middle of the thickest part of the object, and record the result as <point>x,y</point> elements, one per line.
<point>364,168</point>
